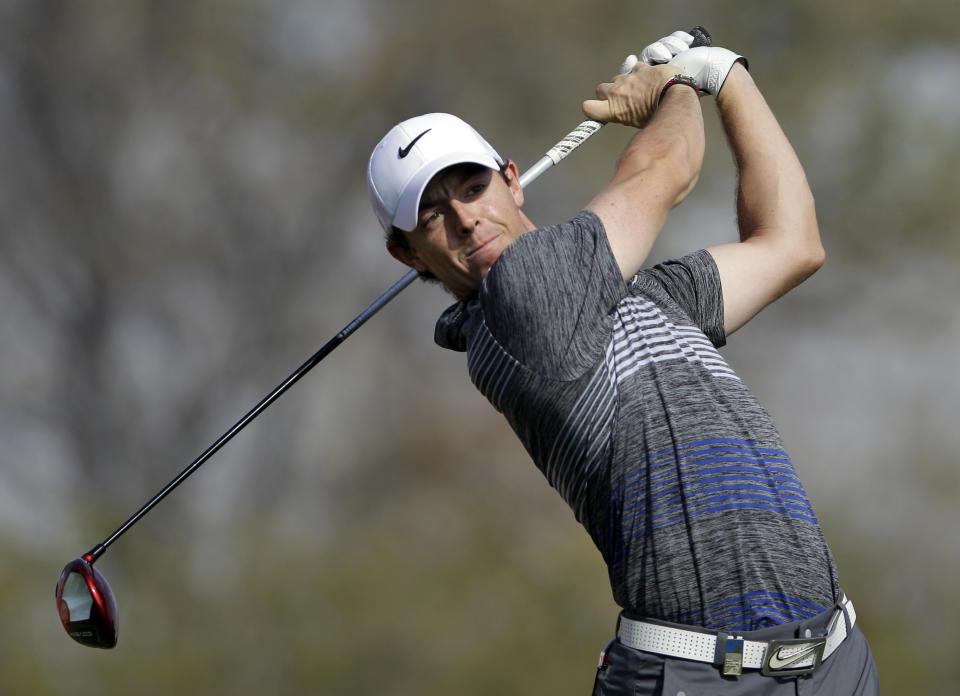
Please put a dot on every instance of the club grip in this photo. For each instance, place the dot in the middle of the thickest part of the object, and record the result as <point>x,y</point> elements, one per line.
<point>580,134</point>
<point>701,37</point>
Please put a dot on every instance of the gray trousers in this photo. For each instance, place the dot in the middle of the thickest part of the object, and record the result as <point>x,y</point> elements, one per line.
<point>850,670</point>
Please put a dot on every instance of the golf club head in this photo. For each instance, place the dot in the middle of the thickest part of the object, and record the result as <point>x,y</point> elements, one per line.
<point>86,605</point>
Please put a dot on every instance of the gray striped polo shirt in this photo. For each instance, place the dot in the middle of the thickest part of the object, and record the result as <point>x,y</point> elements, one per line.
<point>621,398</point>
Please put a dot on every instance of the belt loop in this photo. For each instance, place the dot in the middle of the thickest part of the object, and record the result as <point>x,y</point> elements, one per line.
<point>721,650</point>
<point>604,660</point>
<point>842,606</point>
<point>729,654</point>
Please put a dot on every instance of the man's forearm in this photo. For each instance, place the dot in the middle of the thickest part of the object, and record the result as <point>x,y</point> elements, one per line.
<point>658,168</point>
<point>773,198</point>
<point>779,243</point>
<point>672,143</point>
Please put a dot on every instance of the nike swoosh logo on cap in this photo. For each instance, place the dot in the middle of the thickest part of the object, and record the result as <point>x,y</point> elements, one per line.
<point>404,151</point>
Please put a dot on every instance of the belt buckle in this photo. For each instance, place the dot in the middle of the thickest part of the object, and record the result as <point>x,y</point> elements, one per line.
<point>782,655</point>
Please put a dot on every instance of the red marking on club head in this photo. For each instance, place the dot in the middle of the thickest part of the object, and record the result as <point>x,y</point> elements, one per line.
<point>99,627</point>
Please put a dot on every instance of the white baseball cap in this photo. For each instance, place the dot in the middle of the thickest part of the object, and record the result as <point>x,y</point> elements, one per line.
<point>403,163</point>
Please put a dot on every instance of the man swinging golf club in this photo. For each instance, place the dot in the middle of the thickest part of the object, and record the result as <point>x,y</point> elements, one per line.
<point>609,373</point>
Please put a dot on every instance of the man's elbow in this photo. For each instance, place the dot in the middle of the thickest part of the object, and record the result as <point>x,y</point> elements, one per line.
<point>684,187</point>
<point>816,257</point>
<point>807,262</point>
<point>687,160</point>
<point>810,254</point>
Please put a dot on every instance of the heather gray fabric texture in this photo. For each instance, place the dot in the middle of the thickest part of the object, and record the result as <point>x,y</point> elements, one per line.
<point>621,398</point>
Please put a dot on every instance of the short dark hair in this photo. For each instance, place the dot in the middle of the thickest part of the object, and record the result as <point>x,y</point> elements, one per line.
<point>398,238</point>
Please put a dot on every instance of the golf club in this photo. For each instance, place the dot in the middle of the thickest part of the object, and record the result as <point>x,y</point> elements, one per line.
<point>85,602</point>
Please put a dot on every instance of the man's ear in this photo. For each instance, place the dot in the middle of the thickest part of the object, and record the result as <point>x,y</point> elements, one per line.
<point>513,181</point>
<point>406,256</point>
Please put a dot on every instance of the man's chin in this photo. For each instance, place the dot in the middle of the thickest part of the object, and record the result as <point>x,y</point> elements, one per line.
<point>486,256</point>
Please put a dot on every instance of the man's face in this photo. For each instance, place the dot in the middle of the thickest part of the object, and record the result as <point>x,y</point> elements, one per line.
<point>468,215</point>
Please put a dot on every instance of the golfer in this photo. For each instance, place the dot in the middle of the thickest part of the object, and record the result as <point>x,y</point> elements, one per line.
<point>609,373</point>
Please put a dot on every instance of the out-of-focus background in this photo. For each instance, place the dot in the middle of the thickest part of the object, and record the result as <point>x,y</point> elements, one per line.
<point>183,221</point>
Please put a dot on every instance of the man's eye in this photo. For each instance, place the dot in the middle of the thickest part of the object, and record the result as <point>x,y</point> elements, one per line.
<point>430,217</point>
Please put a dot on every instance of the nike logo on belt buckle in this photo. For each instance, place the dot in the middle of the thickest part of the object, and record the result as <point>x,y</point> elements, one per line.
<point>784,657</point>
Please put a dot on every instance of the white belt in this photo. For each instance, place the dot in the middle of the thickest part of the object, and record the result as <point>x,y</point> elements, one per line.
<point>776,657</point>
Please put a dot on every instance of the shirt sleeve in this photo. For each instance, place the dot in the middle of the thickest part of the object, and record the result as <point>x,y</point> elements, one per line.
<point>549,298</point>
<point>693,283</point>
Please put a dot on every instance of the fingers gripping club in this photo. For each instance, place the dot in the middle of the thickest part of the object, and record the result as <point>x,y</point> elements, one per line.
<point>698,36</point>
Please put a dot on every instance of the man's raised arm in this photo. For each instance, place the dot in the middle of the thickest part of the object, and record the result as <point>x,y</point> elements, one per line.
<point>779,243</point>
<point>660,164</point>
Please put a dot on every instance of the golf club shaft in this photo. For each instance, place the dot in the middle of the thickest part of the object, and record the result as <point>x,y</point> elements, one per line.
<point>564,147</point>
<point>570,142</point>
<point>294,377</point>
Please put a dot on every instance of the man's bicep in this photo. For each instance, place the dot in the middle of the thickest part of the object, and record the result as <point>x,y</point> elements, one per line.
<point>632,217</point>
<point>752,275</point>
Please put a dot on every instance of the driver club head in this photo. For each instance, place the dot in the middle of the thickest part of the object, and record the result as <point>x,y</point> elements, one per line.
<point>86,605</point>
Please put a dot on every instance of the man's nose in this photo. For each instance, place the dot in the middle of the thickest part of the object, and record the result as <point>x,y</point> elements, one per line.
<point>464,216</point>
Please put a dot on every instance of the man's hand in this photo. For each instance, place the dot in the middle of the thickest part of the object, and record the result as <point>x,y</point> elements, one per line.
<point>665,49</point>
<point>631,99</point>
<point>707,65</point>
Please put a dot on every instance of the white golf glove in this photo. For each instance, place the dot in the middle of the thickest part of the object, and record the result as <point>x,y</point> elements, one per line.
<point>660,51</point>
<point>666,48</point>
<point>707,65</point>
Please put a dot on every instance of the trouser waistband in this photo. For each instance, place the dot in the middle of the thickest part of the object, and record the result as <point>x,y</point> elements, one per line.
<point>734,652</point>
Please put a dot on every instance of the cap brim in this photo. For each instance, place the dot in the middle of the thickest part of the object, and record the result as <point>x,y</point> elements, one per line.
<point>408,207</point>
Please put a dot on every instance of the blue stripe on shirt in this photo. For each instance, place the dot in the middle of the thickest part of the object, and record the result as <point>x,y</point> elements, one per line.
<point>715,476</point>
